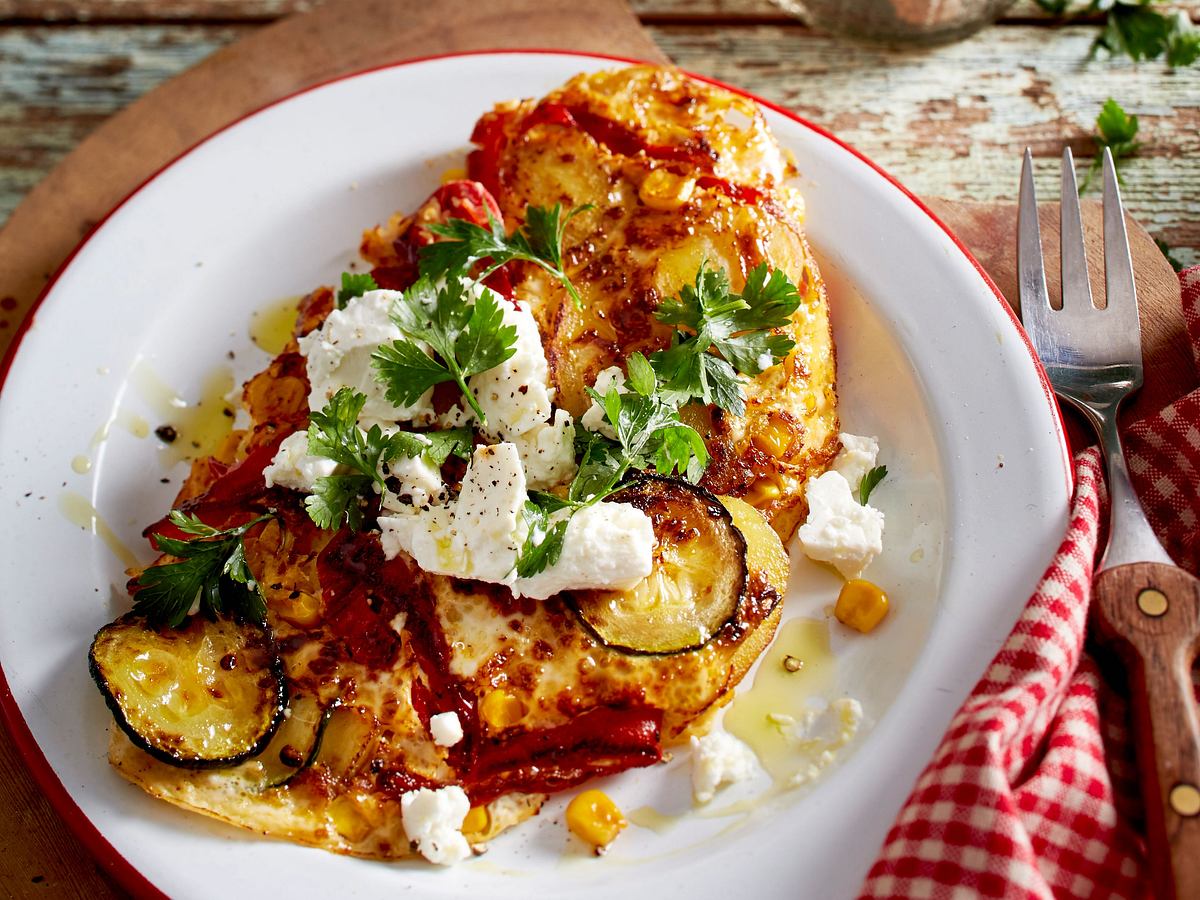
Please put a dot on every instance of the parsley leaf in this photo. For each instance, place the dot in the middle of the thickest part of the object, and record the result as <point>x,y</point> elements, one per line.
<point>1116,130</point>
<point>468,338</point>
<point>544,544</point>
<point>212,568</point>
<point>738,327</point>
<point>649,435</point>
<point>869,482</point>
<point>333,433</point>
<point>538,241</point>
<point>354,284</point>
<point>1138,29</point>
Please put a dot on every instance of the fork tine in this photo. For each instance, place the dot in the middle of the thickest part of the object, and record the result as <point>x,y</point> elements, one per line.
<point>1119,288</point>
<point>1031,274</point>
<point>1076,286</point>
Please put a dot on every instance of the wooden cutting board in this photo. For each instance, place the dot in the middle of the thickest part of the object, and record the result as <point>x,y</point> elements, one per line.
<point>41,856</point>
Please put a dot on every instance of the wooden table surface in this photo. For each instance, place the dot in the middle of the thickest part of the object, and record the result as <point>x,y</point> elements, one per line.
<point>947,121</point>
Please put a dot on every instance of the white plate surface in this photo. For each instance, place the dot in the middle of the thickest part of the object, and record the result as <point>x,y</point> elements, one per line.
<point>929,359</point>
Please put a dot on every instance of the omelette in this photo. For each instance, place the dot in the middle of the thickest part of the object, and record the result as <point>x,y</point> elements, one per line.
<point>337,682</point>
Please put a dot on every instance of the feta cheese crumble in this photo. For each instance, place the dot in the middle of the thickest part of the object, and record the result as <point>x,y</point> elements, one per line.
<point>338,355</point>
<point>718,759</point>
<point>480,534</point>
<point>417,483</point>
<point>609,545</point>
<point>856,458</point>
<point>445,729</point>
<point>840,530</point>
<point>293,468</point>
<point>433,821</point>
<point>593,419</point>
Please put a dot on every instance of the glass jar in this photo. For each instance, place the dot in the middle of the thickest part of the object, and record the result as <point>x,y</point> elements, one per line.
<point>898,21</point>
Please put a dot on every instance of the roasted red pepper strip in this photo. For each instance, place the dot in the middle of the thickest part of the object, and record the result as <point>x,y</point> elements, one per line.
<point>230,497</point>
<point>601,741</point>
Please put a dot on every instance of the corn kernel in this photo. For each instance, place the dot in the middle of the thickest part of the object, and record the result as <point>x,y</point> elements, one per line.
<point>477,820</point>
<point>861,605</point>
<point>664,190</point>
<point>763,491</point>
<point>594,818</point>
<point>775,439</point>
<point>348,819</point>
<point>500,709</point>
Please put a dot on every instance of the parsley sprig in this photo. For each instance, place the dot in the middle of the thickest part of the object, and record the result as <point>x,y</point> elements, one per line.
<point>1139,29</point>
<point>211,568</point>
<point>1116,130</point>
<point>468,338</point>
<point>538,241</point>
<point>649,435</point>
<point>333,433</point>
<point>721,334</point>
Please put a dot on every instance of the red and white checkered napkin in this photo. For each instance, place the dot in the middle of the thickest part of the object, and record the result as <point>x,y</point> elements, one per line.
<point>1033,792</point>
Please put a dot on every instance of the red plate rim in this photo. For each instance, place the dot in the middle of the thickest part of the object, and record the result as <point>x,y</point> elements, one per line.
<point>39,767</point>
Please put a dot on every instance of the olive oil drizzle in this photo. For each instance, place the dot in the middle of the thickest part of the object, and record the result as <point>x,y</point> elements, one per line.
<point>76,509</point>
<point>271,327</point>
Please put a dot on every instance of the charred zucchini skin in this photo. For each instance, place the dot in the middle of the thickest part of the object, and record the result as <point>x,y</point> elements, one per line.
<point>641,491</point>
<point>257,637</point>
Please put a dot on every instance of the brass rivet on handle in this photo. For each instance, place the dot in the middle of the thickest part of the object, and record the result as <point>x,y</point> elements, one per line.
<point>1152,602</point>
<point>1185,799</point>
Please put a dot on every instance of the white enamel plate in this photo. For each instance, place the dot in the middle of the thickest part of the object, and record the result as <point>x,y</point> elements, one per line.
<point>157,299</point>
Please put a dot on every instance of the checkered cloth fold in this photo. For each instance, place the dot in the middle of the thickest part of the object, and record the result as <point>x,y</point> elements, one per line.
<point>1033,791</point>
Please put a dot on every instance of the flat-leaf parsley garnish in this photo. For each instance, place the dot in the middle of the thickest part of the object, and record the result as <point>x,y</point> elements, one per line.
<point>649,435</point>
<point>467,338</point>
<point>333,433</point>
<point>354,284</point>
<point>538,241</point>
<point>869,482</point>
<point>211,569</point>
<point>722,334</point>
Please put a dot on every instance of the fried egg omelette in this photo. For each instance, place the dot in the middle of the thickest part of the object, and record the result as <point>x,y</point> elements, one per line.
<point>364,649</point>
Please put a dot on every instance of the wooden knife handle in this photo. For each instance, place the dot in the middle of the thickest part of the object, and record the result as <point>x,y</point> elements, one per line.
<point>1153,613</point>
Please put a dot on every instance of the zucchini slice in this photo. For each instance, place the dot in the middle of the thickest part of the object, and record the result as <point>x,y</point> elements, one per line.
<point>698,580</point>
<point>207,694</point>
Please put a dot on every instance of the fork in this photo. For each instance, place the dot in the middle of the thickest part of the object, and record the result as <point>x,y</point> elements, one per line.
<point>1146,605</point>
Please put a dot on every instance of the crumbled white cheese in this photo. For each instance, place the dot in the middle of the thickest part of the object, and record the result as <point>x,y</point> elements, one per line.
<point>515,396</point>
<point>593,419</point>
<point>548,452</point>
<point>418,483</point>
<point>338,355</point>
<point>445,729</point>
<point>821,734</point>
<point>433,821</point>
<point>609,545</point>
<point>856,458</point>
<point>840,530</point>
<point>293,468</point>
<point>480,534</point>
<point>765,360</point>
<point>718,759</point>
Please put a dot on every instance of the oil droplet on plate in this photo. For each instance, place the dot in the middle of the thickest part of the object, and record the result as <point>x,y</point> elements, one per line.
<point>271,328</point>
<point>81,465</point>
<point>199,428</point>
<point>781,692</point>
<point>78,511</point>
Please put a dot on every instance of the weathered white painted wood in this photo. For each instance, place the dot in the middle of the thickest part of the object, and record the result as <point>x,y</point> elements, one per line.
<point>948,122</point>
